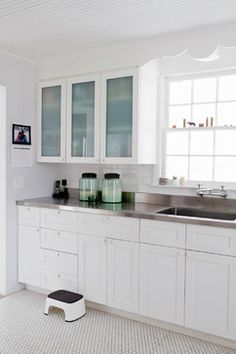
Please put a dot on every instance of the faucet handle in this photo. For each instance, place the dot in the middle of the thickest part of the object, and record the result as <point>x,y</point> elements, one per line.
<point>198,185</point>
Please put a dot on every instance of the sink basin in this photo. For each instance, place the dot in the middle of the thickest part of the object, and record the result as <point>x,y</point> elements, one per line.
<point>198,213</point>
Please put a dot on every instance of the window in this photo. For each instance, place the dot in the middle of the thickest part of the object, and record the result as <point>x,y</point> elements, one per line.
<point>200,129</point>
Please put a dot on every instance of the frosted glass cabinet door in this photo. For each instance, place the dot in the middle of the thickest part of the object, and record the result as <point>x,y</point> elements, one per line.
<point>51,122</point>
<point>82,144</point>
<point>118,115</point>
<point>82,119</point>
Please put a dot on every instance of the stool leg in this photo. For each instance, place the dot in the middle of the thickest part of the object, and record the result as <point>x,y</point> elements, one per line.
<point>46,309</point>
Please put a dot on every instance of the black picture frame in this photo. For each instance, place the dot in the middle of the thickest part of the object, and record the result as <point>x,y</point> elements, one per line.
<point>21,134</point>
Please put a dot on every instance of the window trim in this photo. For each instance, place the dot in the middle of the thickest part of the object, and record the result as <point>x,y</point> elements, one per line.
<point>164,97</point>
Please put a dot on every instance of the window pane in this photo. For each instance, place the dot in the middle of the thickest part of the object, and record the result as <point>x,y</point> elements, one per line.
<point>202,111</point>
<point>204,90</point>
<point>177,114</point>
<point>180,92</point>
<point>201,142</point>
<point>226,114</point>
<point>227,87</point>
<point>176,166</point>
<point>225,169</point>
<point>201,168</point>
<point>177,143</point>
<point>225,143</point>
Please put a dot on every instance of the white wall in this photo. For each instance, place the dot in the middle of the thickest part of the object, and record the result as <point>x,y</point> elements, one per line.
<point>19,78</point>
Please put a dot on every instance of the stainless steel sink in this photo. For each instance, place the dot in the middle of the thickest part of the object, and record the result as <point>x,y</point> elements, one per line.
<point>198,213</point>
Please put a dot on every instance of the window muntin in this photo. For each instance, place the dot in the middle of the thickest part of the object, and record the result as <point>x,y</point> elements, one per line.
<point>201,153</point>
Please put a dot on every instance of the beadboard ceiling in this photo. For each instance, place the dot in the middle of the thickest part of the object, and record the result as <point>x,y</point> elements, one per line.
<point>46,29</point>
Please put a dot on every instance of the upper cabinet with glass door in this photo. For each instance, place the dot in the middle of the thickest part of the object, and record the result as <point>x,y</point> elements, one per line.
<point>82,119</point>
<point>51,121</point>
<point>128,116</point>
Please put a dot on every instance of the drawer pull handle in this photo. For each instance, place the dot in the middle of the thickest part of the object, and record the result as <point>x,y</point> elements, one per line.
<point>58,234</point>
<point>58,275</point>
<point>28,209</point>
<point>58,254</point>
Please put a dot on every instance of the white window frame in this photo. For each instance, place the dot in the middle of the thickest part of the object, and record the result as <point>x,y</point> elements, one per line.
<point>163,126</point>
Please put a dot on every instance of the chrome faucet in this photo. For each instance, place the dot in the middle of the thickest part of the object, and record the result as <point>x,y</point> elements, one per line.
<point>216,191</point>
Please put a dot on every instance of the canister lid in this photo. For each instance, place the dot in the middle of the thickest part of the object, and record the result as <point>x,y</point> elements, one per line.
<point>89,175</point>
<point>111,175</point>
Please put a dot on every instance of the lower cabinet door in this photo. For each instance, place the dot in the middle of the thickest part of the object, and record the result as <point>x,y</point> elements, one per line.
<point>29,255</point>
<point>123,274</point>
<point>162,276</point>
<point>92,268</point>
<point>211,294</point>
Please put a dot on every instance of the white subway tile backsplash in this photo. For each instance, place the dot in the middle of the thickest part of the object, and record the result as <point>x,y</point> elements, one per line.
<point>134,177</point>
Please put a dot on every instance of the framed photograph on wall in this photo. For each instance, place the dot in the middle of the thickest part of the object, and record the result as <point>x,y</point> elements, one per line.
<point>21,134</point>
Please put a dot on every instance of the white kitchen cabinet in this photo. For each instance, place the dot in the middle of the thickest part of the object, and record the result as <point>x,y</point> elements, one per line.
<point>59,241</point>
<point>59,220</point>
<point>211,239</point>
<point>29,216</point>
<point>51,121</point>
<point>92,268</point>
<point>162,277</point>
<point>161,233</point>
<point>83,104</point>
<point>211,294</point>
<point>53,280</point>
<point>29,255</point>
<point>123,275</point>
<point>129,115</point>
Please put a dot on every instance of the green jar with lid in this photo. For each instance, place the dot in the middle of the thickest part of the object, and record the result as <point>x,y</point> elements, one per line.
<point>88,187</point>
<point>111,188</point>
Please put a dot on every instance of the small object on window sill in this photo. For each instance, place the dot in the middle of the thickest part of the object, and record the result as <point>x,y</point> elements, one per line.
<point>207,121</point>
<point>201,125</point>
<point>212,120</point>
<point>163,181</point>
<point>174,181</point>
<point>191,124</point>
<point>181,181</point>
<point>184,123</point>
<point>173,126</point>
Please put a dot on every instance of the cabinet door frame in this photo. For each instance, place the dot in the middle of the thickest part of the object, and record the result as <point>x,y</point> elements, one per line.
<point>112,300</point>
<point>101,242</point>
<point>41,85</point>
<point>70,82</point>
<point>229,331</point>
<point>114,75</point>
<point>145,309</point>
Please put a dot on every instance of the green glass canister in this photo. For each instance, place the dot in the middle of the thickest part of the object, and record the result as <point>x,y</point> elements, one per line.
<point>111,188</point>
<point>88,187</point>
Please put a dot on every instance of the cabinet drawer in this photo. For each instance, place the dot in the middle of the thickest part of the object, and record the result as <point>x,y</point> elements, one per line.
<point>211,239</point>
<point>163,233</point>
<point>59,241</point>
<point>58,262</point>
<point>89,224</point>
<point>28,216</point>
<point>58,220</point>
<point>57,280</point>
<point>122,228</point>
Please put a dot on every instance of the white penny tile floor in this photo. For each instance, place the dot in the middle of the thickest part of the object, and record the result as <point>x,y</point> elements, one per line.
<point>24,329</point>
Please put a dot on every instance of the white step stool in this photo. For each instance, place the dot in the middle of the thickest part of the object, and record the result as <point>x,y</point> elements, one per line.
<point>72,304</point>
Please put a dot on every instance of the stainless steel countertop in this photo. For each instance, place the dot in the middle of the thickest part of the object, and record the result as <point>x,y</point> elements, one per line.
<point>135,210</point>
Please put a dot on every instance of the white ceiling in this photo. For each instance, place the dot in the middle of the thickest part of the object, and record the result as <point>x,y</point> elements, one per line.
<point>48,29</point>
